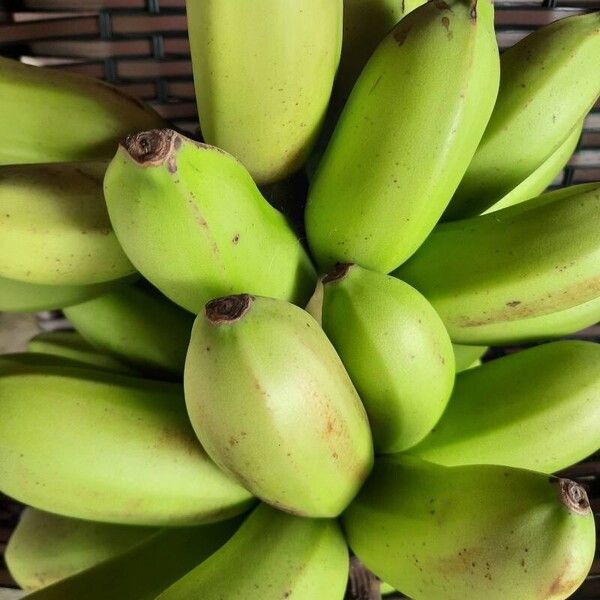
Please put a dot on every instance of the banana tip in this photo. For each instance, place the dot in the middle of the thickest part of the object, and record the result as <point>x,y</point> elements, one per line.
<point>574,497</point>
<point>338,272</point>
<point>228,309</point>
<point>154,147</point>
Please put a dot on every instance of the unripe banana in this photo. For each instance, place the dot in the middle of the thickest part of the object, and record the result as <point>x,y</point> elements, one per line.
<point>147,569</point>
<point>543,176</point>
<point>264,106</point>
<point>18,296</point>
<point>471,532</point>
<point>548,83</point>
<point>196,209</point>
<point>104,447</point>
<point>45,548</point>
<point>137,326</point>
<point>465,357</point>
<point>274,407</point>
<point>405,137</point>
<point>537,409</point>
<point>526,272</point>
<point>55,116</point>
<point>396,349</point>
<point>272,556</point>
<point>54,227</point>
<point>71,346</point>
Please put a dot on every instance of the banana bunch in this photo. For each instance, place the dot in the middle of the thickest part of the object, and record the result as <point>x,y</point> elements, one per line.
<point>278,352</point>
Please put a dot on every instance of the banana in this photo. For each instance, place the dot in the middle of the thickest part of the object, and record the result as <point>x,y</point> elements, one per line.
<point>537,409</point>
<point>71,346</point>
<point>527,272</point>
<point>543,176</point>
<point>396,349</point>
<point>472,531</point>
<point>54,227</point>
<point>138,327</point>
<point>18,296</point>
<point>272,556</point>
<point>266,106</point>
<point>45,548</point>
<point>405,137</point>
<point>546,88</point>
<point>466,357</point>
<point>104,447</point>
<point>193,222</point>
<point>55,116</point>
<point>274,407</point>
<point>146,569</point>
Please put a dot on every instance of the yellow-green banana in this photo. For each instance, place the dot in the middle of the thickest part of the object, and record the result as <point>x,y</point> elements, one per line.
<point>273,405</point>
<point>193,222</point>
<point>137,326</point>
<point>529,271</point>
<point>54,227</point>
<point>45,548</point>
<point>105,447</point>
<point>55,116</point>
<point>543,176</point>
<point>272,556</point>
<point>472,531</point>
<point>145,570</point>
<point>537,409</point>
<point>548,82</point>
<point>466,357</point>
<point>396,349</point>
<point>264,106</point>
<point>71,346</point>
<point>405,137</point>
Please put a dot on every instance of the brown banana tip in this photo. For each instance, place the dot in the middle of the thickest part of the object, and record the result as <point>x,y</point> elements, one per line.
<point>338,272</point>
<point>150,148</point>
<point>473,11</point>
<point>228,309</point>
<point>574,497</point>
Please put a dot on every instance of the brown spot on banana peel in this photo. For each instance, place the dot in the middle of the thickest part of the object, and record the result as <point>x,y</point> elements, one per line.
<point>337,273</point>
<point>229,309</point>
<point>401,33</point>
<point>473,11</point>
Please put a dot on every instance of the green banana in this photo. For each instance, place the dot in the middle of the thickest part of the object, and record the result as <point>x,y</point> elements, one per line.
<point>274,407</point>
<point>137,326</point>
<point>529,271</point>
<point>529,123</point>
<point>55,116</point>
<point>99,446</point>
<point>537,409</point>
<point>265,107</point>
<point>196,209</point>
<point>54,227</point>
<point>543,176</point>
<point>478,531</point>
<point>45,548</point>
<point>18,296</point>
<point>466,357</point>
<point>377,194</point>
<point>70,345</point>
<point>147,569</point>
<point>396,349</point>
<point>272,556</point>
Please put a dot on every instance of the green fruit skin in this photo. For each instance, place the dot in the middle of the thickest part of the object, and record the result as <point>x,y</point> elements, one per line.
<point>55,116</point>
<point>147,569</point>
<point>546,88</point>
<point>466,356</point>
<point>272,556</point>
<point>71,346</point>
<point>264,107</point>
<point>54,227</point>
<point>137,326</point>
<point>173,212</point>
<point>45,548</point>
<point>482,531</point>
<point>396,350</point>
<point>537,409</point>
<point>405,137</point>
<point>105,447</point>
<point>274,407</point>
<point>530,271</point>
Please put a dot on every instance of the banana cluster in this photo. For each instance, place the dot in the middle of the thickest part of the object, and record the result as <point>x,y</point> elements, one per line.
<point>280,332</point>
